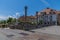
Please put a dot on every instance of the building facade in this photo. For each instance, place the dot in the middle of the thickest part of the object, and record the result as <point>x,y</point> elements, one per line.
<point>28,19</point>
<point>48,16</point>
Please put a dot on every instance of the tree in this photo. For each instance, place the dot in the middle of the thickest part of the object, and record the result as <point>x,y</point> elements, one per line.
<point>14,20</point>
<point>9,20</point>
<point>2,21</point>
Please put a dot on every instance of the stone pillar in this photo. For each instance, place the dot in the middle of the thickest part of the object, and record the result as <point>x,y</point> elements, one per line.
<point>37,17</point>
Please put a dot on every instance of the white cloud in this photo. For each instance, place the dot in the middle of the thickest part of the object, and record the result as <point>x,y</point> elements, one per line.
<point>45,2</point>
<point>13,16</point>
<point>3,17</point>
<point>17,14</point>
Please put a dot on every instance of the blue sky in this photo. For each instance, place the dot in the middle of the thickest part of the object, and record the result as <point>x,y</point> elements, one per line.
<point>11,8</point>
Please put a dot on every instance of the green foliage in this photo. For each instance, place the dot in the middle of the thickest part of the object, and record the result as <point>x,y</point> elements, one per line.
<point>14,20</point>
<point>41,22</point>
<point>2,21</point>
<point>10,20</point>
<point>34,23</point>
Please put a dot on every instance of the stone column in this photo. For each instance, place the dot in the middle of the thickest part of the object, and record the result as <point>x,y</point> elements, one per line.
<point>25,13</point>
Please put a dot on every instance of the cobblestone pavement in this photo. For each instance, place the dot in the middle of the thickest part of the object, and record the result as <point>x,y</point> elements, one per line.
<point>13,34</point>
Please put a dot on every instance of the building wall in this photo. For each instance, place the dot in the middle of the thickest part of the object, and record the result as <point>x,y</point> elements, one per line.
<point>50,18</point>
<point>58,19</point>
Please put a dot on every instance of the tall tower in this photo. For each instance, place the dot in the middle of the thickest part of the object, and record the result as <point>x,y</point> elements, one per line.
<point>37,16</point>
<point>25,13</point>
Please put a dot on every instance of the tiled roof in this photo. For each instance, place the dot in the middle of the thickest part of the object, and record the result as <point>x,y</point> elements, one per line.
<point>47,10</point>
<point>28,17</point>
<point>58,12</point>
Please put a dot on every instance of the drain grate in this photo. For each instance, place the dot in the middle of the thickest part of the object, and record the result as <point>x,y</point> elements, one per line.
<point>25,34</point>
<point>32,31</point>
<point>40,39</point>
<point>10,36</point>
